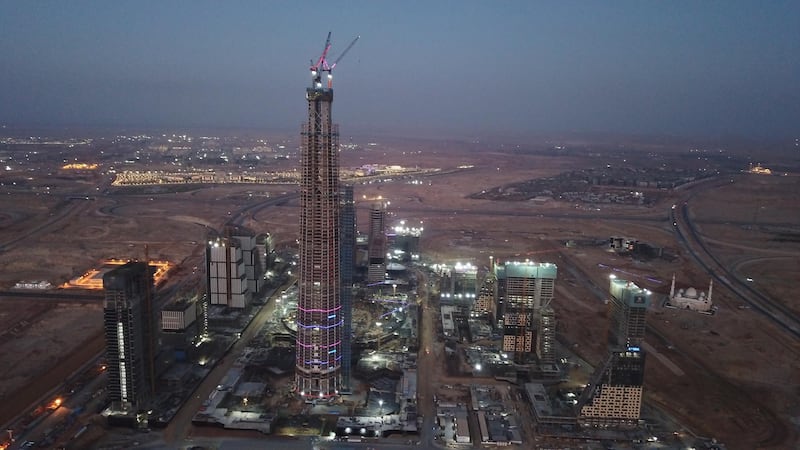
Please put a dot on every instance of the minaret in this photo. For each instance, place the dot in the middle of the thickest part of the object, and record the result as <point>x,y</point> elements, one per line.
<point>710,288</point>
<point>672,289</point>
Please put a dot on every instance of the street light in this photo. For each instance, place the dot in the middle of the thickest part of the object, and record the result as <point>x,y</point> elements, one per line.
<point>380,402</point>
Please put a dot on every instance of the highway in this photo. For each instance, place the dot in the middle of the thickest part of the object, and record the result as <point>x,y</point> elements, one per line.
<point>694,242</point>
<point>430,357</point>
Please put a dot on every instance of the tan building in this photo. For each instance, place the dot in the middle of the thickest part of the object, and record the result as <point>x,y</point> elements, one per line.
<point>613,398</point>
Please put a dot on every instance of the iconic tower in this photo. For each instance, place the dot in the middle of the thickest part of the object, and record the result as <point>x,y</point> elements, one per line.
<point>320,319</point>
<point>129,331</point>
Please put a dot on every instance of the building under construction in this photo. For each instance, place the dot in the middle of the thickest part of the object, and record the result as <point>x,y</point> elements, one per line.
<point>130,336</point>
<point>320,319</point>
<point>628,307</point>
<point>613,397</point>
<point>523,291</point>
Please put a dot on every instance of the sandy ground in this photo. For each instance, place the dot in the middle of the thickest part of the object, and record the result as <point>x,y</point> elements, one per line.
<point>737,369</point>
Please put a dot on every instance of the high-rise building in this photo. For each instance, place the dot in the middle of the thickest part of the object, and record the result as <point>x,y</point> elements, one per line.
<point>464,283</point>
<point>130,332</point>
<point>376,247</point>
<point>405,239</point>
<point>484,304</point>
<point>628,306</point>
<point>613,397</point>
<point>319,309</point>
<point>235,265</point>
<point>253,248</point>
<point>226,273</point>
<point>523,289</point>
<point>348,261</point>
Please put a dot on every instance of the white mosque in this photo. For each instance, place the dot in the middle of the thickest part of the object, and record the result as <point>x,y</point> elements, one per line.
<point>691,298</point>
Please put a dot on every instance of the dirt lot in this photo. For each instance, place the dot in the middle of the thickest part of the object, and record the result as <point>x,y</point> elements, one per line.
<point>732,375</point>
<point>736,376</point>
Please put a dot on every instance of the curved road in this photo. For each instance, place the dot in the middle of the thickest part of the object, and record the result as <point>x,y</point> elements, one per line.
<point>694,242</point>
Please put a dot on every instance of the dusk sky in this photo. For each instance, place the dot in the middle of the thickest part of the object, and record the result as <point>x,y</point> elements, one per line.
<point>694,68</point>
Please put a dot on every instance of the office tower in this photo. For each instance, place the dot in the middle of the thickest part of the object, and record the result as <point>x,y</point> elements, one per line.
<point>628,305</point>
<point>130,332</point>
<point>613,397</point>
<point>523,289</point>
<point>348,261</point>
<point>226,273</point>
<point>319,309</point>
<point>376,269</point>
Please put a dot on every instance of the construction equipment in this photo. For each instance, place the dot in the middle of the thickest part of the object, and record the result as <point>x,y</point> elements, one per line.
<point>323,66</point>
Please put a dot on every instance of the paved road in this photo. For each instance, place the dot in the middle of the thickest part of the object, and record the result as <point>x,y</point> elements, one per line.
<point>181,425</point>
<point>429,359</point>
<point>689,235</point>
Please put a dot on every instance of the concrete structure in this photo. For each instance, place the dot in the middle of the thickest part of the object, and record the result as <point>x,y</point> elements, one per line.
<point>347,234</point>
<point>253,249</point>
<point>522,290</point>
<point>462,428</point>
<point>544,412</point>
<point>179,315</point>
<point>180,325</point>
<point>319,309</point>
<point>628,305</point>
<point>130,334</point>
<point>484,303</point>
<point>448,313</point>
<point>613,398</point>
<point>405,239</point>
<point>691,298</point>
<point>546,340</point>
<point>460,285</point>
<point>235,265</point>
<point>376,247</point>
<point>226,273</point>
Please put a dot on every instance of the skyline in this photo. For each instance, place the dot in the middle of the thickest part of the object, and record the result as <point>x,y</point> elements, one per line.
<point>471,69</point>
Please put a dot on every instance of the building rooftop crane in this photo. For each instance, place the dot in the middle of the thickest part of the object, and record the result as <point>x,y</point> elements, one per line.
<point>323,66</point>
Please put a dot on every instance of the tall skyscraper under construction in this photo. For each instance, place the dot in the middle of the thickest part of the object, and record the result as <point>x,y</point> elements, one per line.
<point>320,319</point>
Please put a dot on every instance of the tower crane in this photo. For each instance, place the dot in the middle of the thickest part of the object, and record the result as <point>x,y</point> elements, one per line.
<point>323,66</point>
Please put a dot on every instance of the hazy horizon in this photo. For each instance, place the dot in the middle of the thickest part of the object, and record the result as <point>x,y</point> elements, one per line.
<point>449,69</point>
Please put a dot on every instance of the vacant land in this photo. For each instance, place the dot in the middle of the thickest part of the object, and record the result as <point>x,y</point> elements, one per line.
<point>731,375</point>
